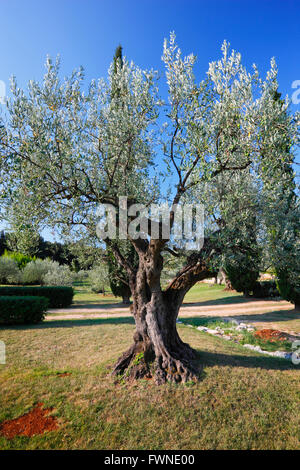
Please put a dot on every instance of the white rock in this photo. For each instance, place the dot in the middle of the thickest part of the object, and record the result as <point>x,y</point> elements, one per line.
<point>220,330</point>
<point>254,348</point>
<point>212,332</point>
<point>282,354</point>
<point>201,328</point>
<point>241,327</point>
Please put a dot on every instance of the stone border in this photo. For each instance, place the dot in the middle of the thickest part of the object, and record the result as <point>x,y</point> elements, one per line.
<point>239,327</point>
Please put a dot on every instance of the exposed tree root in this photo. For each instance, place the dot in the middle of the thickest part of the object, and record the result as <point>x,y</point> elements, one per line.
<point>139,362</point>
<point>175,371</point>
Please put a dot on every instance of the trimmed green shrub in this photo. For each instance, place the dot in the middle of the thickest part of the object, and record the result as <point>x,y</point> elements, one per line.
<point>265,289</point>
<point>118,277</point>
<point>58,297</point>
<point>20,310</point>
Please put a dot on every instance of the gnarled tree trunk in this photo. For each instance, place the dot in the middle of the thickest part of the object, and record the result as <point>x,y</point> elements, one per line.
<point>157,350</point>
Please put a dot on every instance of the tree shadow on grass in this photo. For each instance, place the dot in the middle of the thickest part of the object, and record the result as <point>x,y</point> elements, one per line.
<point>232,299</point>
<point>71,323</point>
<point>211,359</point>
<point>95,304</point>
<point>205,359</point>
<point>275,316</point>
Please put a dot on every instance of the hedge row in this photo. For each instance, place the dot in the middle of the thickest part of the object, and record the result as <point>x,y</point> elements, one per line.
<point>19,310</point>
<point>58,297</point>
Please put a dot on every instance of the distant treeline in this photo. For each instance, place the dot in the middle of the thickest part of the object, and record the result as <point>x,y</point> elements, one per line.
<point>76,255</point>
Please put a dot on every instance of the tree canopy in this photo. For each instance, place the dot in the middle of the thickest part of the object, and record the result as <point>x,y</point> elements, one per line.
<point>65,149</point>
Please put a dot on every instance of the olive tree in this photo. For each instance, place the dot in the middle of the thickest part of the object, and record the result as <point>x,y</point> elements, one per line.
<point>280,193</point>
<point>65,149</point>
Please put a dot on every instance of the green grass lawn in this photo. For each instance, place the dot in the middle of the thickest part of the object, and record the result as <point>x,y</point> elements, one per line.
<point>212,294</point>
<point>243,401</point>
<point>84,297</point>
<point>203,293</point>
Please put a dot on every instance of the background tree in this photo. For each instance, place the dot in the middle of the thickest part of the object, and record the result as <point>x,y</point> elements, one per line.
<point>98,277</point>
<point>23,240</point>
<point>242,257</point>
<point>3,242</point>
<point>56,251</point>
<point>66,151</point>
<point>118,277</point>
<point>117,63</point>
<point>85,253</point>
<point>281,204</point>
<point>232,201</point>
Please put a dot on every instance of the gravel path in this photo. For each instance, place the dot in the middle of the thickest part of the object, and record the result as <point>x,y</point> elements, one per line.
<point>221,310</point>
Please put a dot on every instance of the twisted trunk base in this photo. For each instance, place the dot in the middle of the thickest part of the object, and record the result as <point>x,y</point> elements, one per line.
<point>140,361</point>
<point>157,351</point>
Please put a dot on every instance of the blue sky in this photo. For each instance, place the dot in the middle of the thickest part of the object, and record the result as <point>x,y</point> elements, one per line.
<point>86,32</point>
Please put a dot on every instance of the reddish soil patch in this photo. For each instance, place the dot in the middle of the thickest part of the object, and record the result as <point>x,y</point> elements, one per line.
<point>34,422</point>
<point>271,335</point>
